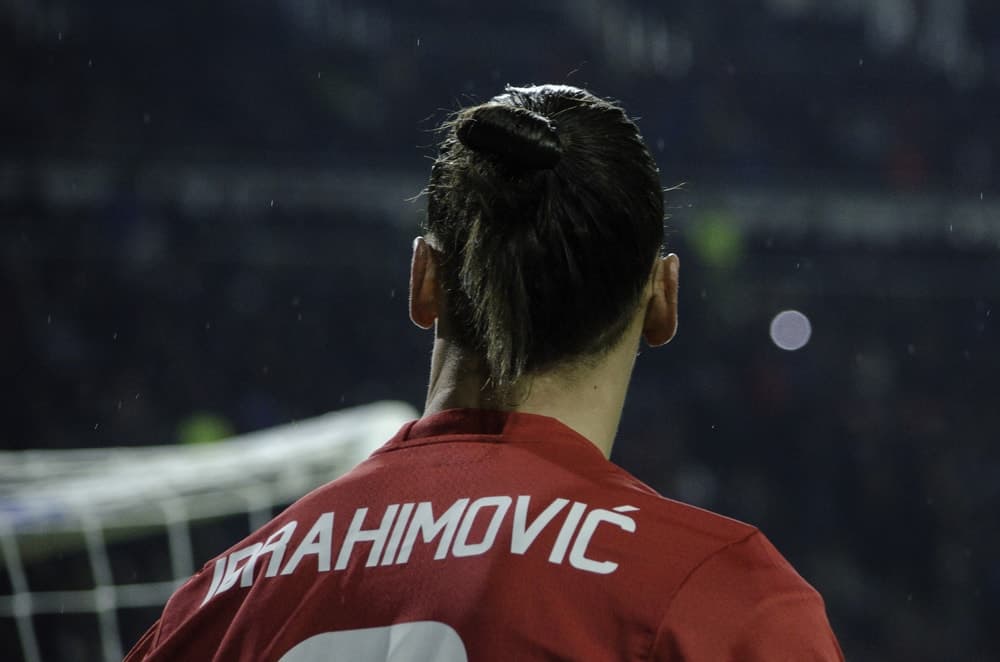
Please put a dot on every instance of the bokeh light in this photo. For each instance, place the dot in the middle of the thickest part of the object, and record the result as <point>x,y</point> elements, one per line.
<point>790,330</point>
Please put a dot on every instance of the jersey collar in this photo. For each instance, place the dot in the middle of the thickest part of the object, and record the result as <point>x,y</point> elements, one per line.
<point>489,426</point>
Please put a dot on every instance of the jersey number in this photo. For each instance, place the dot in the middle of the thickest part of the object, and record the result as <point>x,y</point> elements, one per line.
<point>421,641</point>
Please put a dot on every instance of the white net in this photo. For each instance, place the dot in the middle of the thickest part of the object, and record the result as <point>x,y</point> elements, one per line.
<point>94,541</point>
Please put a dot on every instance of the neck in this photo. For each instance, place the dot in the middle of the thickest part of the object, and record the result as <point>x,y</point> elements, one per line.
<point>587,399</point>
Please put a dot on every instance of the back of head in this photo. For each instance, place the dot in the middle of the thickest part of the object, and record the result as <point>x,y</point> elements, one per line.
<point>547,212</point>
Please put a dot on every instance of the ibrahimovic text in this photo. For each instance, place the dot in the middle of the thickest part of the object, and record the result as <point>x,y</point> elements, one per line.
<point>389,537</point>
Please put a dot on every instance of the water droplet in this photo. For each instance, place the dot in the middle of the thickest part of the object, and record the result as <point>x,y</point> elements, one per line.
<point>272,203</point>
<point>418,46</point>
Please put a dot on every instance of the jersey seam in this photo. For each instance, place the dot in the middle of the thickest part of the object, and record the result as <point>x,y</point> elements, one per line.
<point>673,596</point>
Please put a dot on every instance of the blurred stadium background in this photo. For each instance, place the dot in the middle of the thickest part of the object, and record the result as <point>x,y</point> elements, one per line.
<point>179,182</point>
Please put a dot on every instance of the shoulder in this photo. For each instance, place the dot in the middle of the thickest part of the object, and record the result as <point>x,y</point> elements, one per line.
<point>762,571</point>
<point>727,592</point>
<point>703,532</point>
<point>745,601</point>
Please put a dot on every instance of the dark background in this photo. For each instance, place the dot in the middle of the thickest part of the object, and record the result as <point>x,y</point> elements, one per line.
<point>207,209</point>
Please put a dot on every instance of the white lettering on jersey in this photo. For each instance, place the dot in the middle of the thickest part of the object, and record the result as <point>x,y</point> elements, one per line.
<point>356,534</point>
<point>275,546</point>
<point>523,534</point>
<point>401,525</point>
<point>423,523</point>
<point>462,546</point>
<point>577,557</point>
<point>233,568</point>
<point>318,541</point>
<point>397,534</point>
<point>566,532</point>
<point>218,571</point>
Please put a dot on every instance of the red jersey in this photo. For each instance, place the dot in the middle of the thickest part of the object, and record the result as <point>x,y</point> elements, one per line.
<point>483,535</point>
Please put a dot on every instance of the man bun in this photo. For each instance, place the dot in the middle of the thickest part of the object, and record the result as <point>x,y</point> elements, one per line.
<point>516,136</point>
<point>544,238</point>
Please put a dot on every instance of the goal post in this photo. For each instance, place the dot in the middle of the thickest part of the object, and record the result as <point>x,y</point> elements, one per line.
<point>94,541</point>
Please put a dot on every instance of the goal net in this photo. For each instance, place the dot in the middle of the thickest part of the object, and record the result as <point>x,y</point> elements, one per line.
<point>94,541</point>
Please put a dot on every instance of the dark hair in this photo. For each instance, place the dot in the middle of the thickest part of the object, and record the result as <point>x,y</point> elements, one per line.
<point>547,210</point>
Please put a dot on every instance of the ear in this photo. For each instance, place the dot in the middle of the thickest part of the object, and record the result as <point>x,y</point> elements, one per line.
<point>423,285</point>
<point>660,323</point>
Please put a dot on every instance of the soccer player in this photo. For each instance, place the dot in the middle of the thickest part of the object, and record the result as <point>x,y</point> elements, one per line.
<point>494,528</point>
